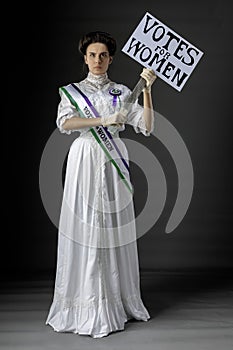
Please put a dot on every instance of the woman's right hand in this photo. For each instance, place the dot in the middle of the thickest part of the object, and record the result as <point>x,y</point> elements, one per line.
<point>116,118</point>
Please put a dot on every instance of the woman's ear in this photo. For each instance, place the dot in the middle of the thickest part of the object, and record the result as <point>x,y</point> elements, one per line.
<point>110,59</point>
<point>85,59</point>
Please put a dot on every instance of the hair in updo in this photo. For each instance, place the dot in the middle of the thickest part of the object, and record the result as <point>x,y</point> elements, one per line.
<point>97,37</point>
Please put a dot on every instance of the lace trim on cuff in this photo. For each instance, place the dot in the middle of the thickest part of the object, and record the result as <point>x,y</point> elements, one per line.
<point>61,121</point>
<point>141,127</point>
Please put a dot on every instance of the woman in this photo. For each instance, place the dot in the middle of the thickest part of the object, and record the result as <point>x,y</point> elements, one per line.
<point>97,285</point>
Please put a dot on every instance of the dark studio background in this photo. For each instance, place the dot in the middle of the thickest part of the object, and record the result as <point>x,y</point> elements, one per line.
<point>41,55</point>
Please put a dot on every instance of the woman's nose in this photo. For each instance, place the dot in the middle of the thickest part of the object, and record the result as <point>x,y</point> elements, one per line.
<point>98,59</point>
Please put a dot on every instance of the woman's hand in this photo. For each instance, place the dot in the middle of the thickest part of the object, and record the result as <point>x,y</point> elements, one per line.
<point>149,76</point>
<point>116,118</point>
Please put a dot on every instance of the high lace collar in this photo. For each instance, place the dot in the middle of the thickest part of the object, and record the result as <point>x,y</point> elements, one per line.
<point>97,80</point>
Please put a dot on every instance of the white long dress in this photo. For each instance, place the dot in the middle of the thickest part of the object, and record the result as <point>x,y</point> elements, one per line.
<point>97,285</point>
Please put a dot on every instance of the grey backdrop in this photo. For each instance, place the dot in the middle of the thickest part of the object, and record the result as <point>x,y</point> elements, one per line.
<point>41,55</point>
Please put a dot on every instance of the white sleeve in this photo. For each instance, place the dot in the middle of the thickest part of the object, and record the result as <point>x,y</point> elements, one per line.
<point>135,118</point>
<point>65,111</point>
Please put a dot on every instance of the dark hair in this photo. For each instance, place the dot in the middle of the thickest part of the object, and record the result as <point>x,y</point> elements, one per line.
<point>97,37</point>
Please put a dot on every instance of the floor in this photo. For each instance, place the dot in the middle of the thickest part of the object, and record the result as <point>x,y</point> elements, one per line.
<point>191,311</point>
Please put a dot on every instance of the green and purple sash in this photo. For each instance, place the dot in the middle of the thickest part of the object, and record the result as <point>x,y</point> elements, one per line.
<point>101,134</point>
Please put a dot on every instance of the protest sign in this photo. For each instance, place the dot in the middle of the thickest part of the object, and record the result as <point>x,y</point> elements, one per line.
<point>156,46</point>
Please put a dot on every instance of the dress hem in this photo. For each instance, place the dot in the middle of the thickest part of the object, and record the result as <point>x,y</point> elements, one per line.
<point>94,336</point>
<point>96,322</point>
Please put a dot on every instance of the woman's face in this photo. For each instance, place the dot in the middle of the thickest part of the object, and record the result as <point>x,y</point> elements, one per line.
<point>97,58</point>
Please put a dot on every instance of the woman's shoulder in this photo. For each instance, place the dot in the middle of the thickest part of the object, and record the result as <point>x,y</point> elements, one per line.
<point>69,84</point>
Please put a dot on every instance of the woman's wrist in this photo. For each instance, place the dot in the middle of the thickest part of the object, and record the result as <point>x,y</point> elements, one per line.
<point>147,90</point>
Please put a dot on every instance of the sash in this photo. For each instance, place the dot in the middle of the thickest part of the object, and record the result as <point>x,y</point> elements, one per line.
<point>101,134</point>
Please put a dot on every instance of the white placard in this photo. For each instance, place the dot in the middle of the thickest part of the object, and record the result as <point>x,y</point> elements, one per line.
<point>156,46</point>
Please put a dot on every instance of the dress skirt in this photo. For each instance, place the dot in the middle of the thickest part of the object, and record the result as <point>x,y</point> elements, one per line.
<point>97,284</point>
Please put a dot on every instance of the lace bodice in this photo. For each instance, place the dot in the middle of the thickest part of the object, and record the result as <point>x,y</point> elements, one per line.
<point>98,89</point>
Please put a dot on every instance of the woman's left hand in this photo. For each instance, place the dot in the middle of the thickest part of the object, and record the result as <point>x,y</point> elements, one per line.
<point>149,76</point>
